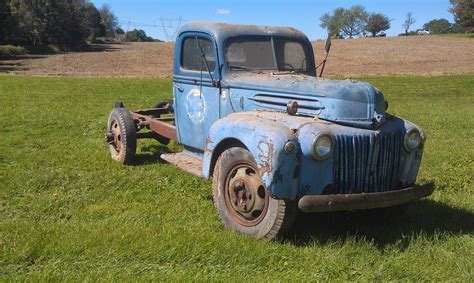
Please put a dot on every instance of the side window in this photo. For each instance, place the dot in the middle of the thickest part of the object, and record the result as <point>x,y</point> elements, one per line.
<point>191,54</point>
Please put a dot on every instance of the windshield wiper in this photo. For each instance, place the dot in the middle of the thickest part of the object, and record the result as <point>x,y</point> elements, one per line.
<point>256,70</point>
<point>289,72</point>
<point>237,67</point>
<point>243,68</point>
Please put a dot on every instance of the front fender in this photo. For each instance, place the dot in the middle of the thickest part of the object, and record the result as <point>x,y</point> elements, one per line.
<point>265,138</point>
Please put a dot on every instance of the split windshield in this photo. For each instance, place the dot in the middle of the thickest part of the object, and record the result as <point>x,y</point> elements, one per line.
<point>277,54</point>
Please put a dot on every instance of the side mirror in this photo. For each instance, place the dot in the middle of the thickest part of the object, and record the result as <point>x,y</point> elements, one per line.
<point>328,44</point>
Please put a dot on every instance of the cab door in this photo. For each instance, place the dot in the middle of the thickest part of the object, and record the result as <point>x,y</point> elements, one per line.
<point>196,96</point>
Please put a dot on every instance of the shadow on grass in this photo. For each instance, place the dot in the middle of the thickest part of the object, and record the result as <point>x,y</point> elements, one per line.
<point>12,65</point>
<point>54,50</point>
<point>102,47</point>
<point>425,217</point>
<point>15,63</point>
<point>150,154</point>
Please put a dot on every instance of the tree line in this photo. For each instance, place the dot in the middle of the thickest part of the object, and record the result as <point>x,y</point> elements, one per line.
<point>353,21</point>
<point>65,22</point>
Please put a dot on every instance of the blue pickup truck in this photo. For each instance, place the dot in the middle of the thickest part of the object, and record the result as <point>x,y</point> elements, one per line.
<point>253,114</point>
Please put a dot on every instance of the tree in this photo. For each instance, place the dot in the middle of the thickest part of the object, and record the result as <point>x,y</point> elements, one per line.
<point>5,21</point>
<point>138,35</point>
<point>354,20</point>
<point>438,26</point>
<point>28,24</point>
<point>65,22</point>
<point>42,22</point>
<point>376,23</point>
<point>93,22</point>
<point>119,31</point>
<point>333,23</point>
<point>463,11</point>
<point>350,22</point>
<point>48,21</point>
<point>109,20</point>
<point>409,21</point>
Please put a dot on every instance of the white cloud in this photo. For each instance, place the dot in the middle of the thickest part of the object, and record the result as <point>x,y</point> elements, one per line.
<point>223,11</point>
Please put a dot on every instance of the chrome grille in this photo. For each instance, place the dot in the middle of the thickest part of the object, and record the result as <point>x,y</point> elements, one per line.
<point>365,164</point>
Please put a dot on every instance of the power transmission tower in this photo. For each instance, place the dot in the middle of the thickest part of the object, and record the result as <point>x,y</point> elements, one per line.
<point>170,27</point>
<point>129,22</point>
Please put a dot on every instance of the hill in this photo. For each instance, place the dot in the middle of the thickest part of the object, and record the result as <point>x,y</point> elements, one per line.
<point>417,55</point>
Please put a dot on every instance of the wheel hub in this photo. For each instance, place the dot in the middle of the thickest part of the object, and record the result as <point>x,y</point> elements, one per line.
<point>114,136</point>
<point>242,197</point>
<point>246,196</point>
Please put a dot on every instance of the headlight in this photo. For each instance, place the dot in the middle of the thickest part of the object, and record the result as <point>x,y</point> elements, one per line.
<point>289,147</point>
<point>322,147</point>
<point>412,139</point>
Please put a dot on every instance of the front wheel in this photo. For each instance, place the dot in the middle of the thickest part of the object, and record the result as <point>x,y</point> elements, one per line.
<point>243,203</point>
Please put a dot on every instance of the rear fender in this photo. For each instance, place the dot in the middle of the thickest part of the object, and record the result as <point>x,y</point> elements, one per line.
<point>265,139</point>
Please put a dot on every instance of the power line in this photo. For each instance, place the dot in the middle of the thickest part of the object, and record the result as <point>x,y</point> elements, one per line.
<point>169,27</point>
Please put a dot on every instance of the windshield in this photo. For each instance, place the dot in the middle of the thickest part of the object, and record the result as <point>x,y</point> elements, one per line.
<point>266,54</point>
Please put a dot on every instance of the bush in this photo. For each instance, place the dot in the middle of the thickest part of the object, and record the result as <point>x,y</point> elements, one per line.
<point>138,35</point>
<point>7,51</point>
<point>410,33</point>
<point>46,49</point>
<point>469,30</point>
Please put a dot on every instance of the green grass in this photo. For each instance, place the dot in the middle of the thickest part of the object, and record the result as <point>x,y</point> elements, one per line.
<point>68,212</point>
<point>457,35</point>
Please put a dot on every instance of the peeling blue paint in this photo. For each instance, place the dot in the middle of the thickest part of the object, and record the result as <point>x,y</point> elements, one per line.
<point>258,129</point>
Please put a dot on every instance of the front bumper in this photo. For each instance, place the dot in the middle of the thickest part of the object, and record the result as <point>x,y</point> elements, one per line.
<point>321,203</point>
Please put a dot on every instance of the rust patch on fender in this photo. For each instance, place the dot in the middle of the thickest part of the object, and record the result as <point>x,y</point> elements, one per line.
<point>265,155</point>
<point>208,142</point>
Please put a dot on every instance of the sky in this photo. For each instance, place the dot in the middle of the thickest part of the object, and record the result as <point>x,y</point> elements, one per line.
<point>152,15</point>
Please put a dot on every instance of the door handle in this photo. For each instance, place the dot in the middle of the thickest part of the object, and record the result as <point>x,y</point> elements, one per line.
<point>179,87</point>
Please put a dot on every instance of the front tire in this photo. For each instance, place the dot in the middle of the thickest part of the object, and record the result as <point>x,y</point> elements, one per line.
<point>243,203</point>
<point>121,136</point>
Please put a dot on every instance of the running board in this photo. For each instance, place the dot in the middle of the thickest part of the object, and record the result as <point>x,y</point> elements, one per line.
<point>187,162</point>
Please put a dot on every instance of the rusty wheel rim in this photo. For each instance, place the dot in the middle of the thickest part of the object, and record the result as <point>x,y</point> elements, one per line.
<point>245,195</point>
<point>115,130</point>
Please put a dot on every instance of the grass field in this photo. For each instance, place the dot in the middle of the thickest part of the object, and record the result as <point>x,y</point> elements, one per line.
<point>458,35</point>
<point>68,211</point>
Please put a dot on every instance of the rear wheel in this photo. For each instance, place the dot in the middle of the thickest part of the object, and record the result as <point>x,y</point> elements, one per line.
<point>121,136</point>
<point>243,203</point>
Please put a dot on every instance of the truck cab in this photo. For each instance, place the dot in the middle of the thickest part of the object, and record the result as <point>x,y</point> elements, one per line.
<point>202,96</point>
<point>253,116</point>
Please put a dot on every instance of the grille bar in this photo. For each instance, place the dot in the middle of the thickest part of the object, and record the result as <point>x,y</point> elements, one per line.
<point>367,163</point>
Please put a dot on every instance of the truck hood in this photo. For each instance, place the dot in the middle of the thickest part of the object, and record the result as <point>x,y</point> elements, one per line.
<point>344,101</point>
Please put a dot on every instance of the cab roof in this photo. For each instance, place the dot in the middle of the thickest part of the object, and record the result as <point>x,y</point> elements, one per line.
<point>222,31</point>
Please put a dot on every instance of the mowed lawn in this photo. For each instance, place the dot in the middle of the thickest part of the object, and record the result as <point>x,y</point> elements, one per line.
<point>67,211</point>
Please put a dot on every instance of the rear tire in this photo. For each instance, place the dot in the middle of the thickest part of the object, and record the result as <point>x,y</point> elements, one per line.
<point>243,203</point>
<point>121,136</point>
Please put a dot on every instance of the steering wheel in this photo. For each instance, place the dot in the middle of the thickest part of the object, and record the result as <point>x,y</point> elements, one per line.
<point>290,67</point>
<point>303,62</point>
